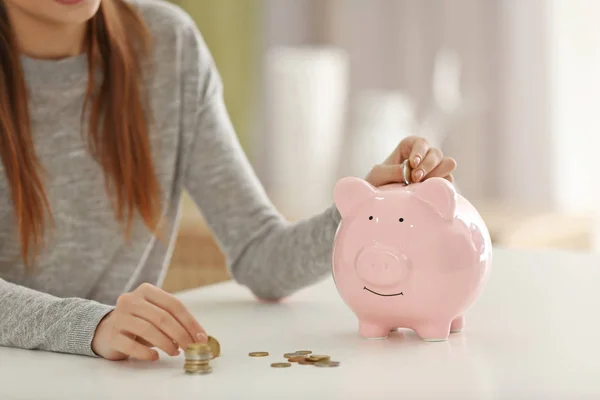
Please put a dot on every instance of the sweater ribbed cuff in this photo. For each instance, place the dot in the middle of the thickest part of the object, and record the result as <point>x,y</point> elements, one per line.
<point>335,214</point>
<point>83,330</point>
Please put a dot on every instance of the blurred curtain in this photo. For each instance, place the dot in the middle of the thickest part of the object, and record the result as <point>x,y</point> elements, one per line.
<point>392,46</point>
<point>529,76</point>
<point>232,31</point>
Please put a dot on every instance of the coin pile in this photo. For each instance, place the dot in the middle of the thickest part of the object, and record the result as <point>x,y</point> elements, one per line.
<point>301,357</point>
<point>318,360</point>
<point>197,359</point>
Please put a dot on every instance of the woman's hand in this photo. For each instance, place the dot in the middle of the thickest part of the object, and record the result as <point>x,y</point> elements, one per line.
<point>145,318</point>
<point>425,161</point>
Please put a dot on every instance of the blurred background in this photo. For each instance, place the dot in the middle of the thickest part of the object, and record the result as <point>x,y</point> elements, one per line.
<point>320,89</point>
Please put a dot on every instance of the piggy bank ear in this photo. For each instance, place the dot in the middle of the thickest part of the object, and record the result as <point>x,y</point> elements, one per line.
<point>439,194</point>
<point>351,191</point>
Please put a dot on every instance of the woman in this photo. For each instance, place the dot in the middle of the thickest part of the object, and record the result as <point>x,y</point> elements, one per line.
<point>108,110</point>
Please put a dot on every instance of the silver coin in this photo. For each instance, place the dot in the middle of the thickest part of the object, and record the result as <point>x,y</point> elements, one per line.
<point>406,171</point>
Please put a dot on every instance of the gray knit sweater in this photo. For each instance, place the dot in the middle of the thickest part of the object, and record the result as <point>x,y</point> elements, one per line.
<point>86,263</point>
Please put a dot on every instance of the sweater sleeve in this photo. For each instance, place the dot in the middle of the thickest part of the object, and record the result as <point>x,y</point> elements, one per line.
<point>266,253</point>
<point>35,320</point>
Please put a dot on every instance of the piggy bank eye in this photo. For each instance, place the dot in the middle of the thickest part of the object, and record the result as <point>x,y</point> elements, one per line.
<point>401,220</point>
<point>370,218</point>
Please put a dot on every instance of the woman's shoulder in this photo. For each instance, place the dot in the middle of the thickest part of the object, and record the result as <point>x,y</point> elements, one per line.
<point>162,12</point>
<point>177,40</point>
<point>166,21</point>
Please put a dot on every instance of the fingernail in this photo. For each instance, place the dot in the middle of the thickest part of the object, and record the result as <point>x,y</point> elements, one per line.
<point>201,336</point>
<point>419,174</point>
<point>417,160</point>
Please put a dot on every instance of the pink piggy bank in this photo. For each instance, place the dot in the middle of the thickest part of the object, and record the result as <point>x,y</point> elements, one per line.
<point>413,256</point>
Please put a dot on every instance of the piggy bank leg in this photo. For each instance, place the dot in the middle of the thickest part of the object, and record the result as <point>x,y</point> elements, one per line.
<point>434,332</point>
<point>457,324</point>
<point>370,330</point>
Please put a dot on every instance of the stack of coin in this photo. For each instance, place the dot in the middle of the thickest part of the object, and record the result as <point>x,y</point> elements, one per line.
<point>197,359</point>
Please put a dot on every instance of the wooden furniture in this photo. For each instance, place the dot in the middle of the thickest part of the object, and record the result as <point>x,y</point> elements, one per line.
<point>197,259</point>
<point>517,227</point>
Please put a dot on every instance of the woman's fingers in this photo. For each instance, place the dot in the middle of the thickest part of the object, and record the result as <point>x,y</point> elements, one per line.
<point>383,174</point>
<point>420,148</point>
<point>126,345</point>
<point>175,307</point>
<point>433,157</point>
<point>164,321</point>
<point>145,318</point>
<point>144,342</point>
<point>444,168</point>
<point>149,333</point>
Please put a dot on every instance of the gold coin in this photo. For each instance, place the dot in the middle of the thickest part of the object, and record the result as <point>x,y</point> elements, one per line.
<point>305,362</point>
<point>289,355</point>
<point>215,347</point>
<point>197,367</point>
<point>195,363</point>
<point>281,365</point>
<point>296,358</point>
<point>259,354</point>
<point>199,371</point>
<point>201,366</point>
<point>303,352</point>
<point>198,356</point>
<point>327,364</point>
<point>318,357</point>
<point>198,348</point>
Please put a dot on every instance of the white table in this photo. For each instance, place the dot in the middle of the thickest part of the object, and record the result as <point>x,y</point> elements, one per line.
<point>535,333</point>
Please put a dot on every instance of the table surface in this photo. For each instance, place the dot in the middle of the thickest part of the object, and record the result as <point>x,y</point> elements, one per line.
<point>532,334</point>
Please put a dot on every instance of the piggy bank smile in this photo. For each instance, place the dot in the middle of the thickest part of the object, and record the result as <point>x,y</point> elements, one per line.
<point>381,294</point>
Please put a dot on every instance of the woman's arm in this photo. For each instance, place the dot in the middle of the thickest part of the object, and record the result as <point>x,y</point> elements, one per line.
<point>269,255</point>
<point>35,320</point>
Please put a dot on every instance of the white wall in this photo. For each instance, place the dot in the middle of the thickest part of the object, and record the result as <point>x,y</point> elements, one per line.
<point>523,107</point>
<point>574,47</point>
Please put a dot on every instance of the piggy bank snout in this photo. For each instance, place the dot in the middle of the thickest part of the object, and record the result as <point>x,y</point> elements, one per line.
<point>381,267</point>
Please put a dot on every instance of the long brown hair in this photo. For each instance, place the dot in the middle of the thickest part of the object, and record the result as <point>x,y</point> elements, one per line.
<point>118,43</point>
